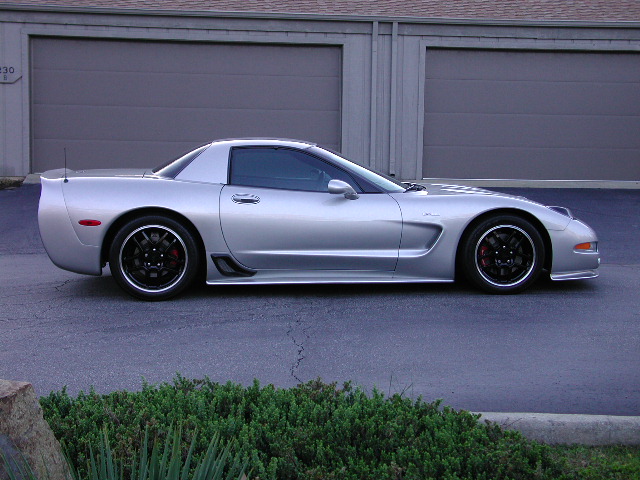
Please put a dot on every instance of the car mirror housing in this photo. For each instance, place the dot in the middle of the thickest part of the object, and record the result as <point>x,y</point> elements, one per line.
<point>338,187</point>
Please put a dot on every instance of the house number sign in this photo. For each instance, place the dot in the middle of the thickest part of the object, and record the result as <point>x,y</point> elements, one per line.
<point>8,73</point>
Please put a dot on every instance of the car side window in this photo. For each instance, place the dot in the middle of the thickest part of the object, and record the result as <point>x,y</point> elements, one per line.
<point>283,168</point>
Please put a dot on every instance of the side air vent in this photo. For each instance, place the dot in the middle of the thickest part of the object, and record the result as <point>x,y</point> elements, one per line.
<point>228,267</point>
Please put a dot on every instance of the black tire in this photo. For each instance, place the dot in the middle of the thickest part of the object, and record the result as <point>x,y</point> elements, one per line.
<point>154,258</point>
<point>503,254</point>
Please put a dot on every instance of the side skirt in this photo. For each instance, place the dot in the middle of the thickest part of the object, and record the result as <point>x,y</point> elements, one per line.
<point>321,277</point>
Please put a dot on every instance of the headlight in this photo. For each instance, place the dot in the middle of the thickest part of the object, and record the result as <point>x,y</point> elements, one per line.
<point>562,210</point>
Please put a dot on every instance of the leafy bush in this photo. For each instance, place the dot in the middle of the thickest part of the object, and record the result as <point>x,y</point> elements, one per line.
<point>312,431</point>
<point>9,182</point>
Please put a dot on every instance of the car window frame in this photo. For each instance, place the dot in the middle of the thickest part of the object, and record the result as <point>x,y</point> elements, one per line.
<point>356,184</point>
<point>401,186</point>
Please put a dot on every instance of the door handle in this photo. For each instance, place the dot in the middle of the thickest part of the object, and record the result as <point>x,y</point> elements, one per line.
<point>244,198</point>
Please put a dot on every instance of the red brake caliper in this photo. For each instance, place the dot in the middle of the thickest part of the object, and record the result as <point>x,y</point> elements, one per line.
<point>174,253</point>
<point>483,250</point>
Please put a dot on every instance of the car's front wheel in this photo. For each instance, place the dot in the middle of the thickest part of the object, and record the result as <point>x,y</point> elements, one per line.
<point>153,258</point>
<point>503,254</point>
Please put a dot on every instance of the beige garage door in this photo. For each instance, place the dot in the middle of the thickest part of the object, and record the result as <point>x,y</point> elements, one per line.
<point>532,115</point>
<point>138,103</point>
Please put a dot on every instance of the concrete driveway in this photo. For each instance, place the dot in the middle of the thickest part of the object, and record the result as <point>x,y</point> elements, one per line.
<point>558,348</point>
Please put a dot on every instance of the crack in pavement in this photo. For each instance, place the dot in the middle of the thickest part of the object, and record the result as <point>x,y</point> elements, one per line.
<point>293,326</point>
<point>65,283</point>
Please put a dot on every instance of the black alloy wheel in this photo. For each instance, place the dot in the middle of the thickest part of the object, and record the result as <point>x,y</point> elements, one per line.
<point>503,254</point>
<point>153,258</point>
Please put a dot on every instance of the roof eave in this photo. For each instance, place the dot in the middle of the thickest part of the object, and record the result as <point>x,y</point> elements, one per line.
<point>323,17</point>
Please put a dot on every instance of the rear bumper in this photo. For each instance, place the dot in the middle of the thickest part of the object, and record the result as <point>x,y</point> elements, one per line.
<point>58,236</point>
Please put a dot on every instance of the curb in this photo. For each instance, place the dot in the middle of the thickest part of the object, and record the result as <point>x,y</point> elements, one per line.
<point>32,179</point>
<point>553,429</point>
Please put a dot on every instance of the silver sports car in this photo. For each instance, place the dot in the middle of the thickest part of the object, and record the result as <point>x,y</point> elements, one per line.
<point>264,211</point>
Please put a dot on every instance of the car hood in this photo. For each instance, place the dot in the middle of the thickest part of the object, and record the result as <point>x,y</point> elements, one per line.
<point>472,201</point>
<point>439,189</point>
<point>443,189</point>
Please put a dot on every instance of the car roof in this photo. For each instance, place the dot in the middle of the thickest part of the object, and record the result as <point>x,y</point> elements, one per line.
<point>252,141</point>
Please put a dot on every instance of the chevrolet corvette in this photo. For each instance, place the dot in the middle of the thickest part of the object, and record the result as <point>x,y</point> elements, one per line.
<point>267,211</point>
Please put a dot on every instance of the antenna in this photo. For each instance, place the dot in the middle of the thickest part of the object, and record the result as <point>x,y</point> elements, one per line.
<point>65,165</point>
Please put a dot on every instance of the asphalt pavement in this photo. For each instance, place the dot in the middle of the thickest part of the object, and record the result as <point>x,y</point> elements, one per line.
<point>559,348</point>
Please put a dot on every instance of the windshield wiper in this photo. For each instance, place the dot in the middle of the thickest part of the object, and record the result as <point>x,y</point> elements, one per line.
<point>414,187</point>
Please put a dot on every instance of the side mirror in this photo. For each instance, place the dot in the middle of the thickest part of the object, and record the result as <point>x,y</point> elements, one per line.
<point>338,187</point>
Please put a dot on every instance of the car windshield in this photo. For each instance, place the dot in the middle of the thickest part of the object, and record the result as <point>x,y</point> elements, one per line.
<point>173,167</point>
<point>385,182</point>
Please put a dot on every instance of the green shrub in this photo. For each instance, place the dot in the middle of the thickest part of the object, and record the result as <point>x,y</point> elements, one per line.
<point>312,431</point>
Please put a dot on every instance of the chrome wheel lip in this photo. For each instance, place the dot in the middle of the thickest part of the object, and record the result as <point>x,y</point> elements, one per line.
<point>521,277</point>
<point>137,285</point>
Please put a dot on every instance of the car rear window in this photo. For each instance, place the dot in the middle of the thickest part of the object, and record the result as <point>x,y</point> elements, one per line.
<point>173,167</point>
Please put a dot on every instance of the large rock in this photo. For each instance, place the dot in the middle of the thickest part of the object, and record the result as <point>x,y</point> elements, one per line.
<point>21,421</point>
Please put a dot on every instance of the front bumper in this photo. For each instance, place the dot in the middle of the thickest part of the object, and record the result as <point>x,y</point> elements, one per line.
<point>568,262</point>
<point>585,274</point>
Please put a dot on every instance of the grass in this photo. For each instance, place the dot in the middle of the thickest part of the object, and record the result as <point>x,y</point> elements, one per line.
<point>616,462</point>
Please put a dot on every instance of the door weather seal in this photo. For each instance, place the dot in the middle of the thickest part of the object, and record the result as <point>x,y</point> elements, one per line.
<point>229,267</point>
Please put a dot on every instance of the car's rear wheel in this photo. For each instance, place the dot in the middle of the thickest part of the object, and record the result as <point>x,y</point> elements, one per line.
<point>153,258</point>
<point>503,254</point>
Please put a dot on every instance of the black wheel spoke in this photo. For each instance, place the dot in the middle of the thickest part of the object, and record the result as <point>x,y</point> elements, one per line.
<point>498,240</point>
<point>172,270</point>
<point>138,244</point>
<point>169,246</point>
<point>511,237</point>
<point>132,257</point>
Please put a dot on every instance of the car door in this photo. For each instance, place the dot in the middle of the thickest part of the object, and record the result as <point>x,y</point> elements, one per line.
<point>276,213</point>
